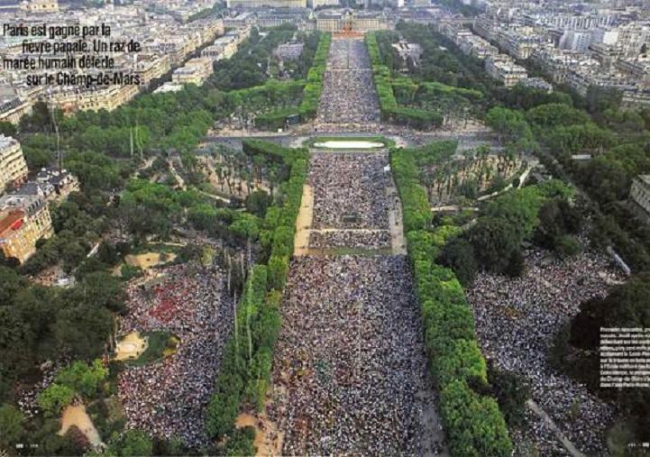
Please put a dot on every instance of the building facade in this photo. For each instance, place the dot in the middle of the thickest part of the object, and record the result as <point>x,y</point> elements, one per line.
<point>13,168</point>
<point>23,221</point>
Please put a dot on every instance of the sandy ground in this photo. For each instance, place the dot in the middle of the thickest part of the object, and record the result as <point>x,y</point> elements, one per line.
<point>303,222</point>
<point>148,260</point>
<point>268,440</point>
<point>131,346</point>
<point>398,241</point>
<point>76,415</point>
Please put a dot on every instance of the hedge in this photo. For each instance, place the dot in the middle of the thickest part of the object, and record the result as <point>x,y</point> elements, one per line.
<point>274,120</point>
<point>246,368</point>
<point>314,87</point>
<point>473,422</point>
<point>391,111</point>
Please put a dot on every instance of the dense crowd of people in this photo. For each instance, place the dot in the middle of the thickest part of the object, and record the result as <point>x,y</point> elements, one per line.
<point>350,360</point>
<point>362,239</point>
<point>348,89</point>
<point>350,371</point>
<point>169,397</point>
<point>349,190</point>
<point>516,320</point>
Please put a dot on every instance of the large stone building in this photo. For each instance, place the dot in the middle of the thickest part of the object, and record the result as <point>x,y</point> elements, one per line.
<point>269,3</point>
<point>502,68</point>
<point>151,67</point>
<point>93,99</point>
<point>351,21</point>
<point>40,6</point>
<point>13,168</point>
<point>23,221</point>
<point>195,71</point>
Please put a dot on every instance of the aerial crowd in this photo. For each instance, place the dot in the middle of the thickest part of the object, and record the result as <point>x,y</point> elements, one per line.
<point>169,397</point>
<point>350,374</point>
<point>349,190</point>
<point>348,95</point>
<point>365,239</point>
<point>516,320</point>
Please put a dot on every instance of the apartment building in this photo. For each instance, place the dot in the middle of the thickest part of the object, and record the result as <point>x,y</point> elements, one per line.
<point>23,221</point>
<point>269,3</point>
<point>13,168</point>
<point>12,107</point>
<point>518,43</point>
<point>502,68</point>
<point>195,71</point>
<point>151,67</point>
<point>638,69</point>
<point>93,99</point>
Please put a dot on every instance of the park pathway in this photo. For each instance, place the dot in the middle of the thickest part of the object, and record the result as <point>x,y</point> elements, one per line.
<point>350,370</point>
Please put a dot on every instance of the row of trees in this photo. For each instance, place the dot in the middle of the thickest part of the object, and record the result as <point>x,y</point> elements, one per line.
<point>473,422</point>
<point>391,110</point>
<point>246,369</point>
<point>314,86</point>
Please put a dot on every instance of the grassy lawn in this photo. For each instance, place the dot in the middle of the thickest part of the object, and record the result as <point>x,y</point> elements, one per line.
<point>160,344</point>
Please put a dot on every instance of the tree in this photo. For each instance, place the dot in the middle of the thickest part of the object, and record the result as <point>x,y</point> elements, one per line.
<point>11,428</point>
<point>510,124</point>
<point>56,397</point>
<point>557,219</point>
<point>82,329</point>
<point>7,129</point>
<point>10,284</point>
<point>599,99</point>
<point>82,378</point>
<point>134,443</point>
<point>257,203</point>
<point>104,290</point>
<point>511,390</point>
<point>626,305</point>
<point>495,241</point>
<point>241,443</point>
<point>556,114</point>
<point>458,254</point>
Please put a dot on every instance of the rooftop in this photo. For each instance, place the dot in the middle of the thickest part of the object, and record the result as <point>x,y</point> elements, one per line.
<point>8,219</point>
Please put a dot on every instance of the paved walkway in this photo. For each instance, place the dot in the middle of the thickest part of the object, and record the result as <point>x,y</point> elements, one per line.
<point>303,222</point>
